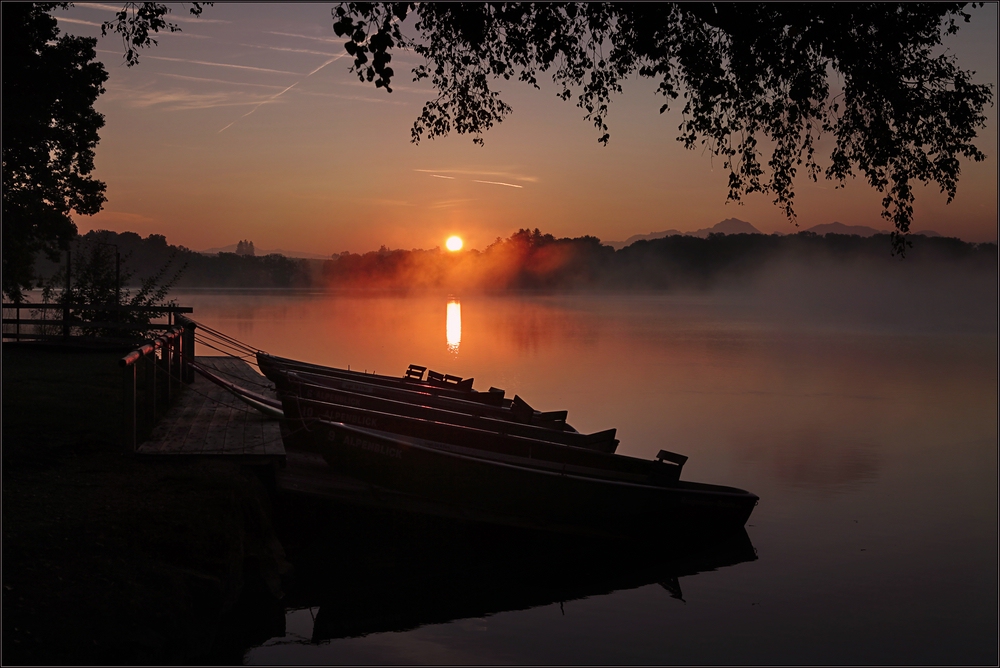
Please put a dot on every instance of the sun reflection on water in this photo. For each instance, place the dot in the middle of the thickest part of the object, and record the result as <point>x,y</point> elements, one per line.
<point>453,325</point>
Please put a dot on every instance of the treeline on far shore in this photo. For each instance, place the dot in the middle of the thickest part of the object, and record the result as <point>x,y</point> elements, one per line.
<point>529,259</point>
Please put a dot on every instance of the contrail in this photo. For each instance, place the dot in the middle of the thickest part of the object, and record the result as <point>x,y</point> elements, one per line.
<point>277,95</point>
<point>497,183</point>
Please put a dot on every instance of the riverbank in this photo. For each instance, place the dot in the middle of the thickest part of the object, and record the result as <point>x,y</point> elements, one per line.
<point>113,560</point>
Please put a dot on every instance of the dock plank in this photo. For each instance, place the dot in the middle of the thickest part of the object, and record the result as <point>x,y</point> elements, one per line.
<point>207,420</point>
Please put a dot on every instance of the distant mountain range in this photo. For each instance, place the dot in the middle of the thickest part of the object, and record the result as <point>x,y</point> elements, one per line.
<point>728,226</point>
<point>737,226</point>
<point>231,248</point>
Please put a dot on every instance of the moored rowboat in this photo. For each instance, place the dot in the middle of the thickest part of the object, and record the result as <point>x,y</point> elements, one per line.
<point>291,381</point>
<point>273,366</point>
<point>522,482</point>
<point>429,423</point>
<point>316,401</point>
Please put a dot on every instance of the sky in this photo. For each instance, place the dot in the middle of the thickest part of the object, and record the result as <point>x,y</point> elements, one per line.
<point>247,124</point>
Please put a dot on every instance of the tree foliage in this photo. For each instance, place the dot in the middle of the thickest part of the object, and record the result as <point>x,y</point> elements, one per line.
<point>136,20</point>
<point>754,80</point>
<point>50,126</point>
<point>50,130</point>
<point>96,280</point>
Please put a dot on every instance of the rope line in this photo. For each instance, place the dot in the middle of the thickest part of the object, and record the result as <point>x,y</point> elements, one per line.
<point>221,341</point>
<point>268,385</point>
<point>234,342</point>
<point>223,335</point>
<point>225,352</point>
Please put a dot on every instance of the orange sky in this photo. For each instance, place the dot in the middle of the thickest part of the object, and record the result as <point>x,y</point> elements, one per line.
<point>327,165</point>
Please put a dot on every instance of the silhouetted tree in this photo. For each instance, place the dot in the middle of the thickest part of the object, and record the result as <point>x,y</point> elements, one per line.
<point>136,20</point>
<point>95,281</point>
<point>748,72</point>
<point>50,83</point>
<point>50,127</point>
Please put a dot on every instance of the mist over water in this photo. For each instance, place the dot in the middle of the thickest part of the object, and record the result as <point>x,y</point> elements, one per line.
<point>859,403</point>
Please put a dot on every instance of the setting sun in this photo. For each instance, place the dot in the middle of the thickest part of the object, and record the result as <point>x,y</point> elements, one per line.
<point>453,243</point>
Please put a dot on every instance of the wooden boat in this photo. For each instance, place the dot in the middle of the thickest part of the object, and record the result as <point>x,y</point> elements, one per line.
<point>520,411</point>
<point>530,483</point>
<point>438,384</point>
<point>311,402</point>
<point>317,401</point>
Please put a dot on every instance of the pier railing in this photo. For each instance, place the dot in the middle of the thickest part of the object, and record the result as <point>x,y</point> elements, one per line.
<point>152,377</point>
<point>110,323</point>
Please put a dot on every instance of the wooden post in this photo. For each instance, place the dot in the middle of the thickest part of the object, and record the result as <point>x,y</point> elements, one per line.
<point>172,356</point>
<point>128,407</point>
<point>151,388</point>
<point>163,362</point>
<point>187,348</point>
<point>69,274</point>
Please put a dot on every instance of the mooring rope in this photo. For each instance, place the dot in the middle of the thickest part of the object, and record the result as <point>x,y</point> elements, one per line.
<point>232,341</point>
<point>222,342</point>
<point>228,353</point>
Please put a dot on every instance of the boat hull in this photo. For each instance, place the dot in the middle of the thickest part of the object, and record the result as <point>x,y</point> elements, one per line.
<point>511,490</point>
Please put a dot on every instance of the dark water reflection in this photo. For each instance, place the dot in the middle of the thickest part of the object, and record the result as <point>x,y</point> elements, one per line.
<point>869,433</point>
<point>365,572</point>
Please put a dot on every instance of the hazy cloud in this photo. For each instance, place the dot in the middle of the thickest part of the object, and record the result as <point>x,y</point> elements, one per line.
<point>448,203</point>
<point>395,88</point>
<point>169,17</point>
<point>182,100</point>
<point>79,21</point>
<point>438,176</point>
<point>238,67</point>
<point>318,39</point>
<point>291,50</point>
<point>183,33</point>
<point>356,98</point>
<point>221,81</point>
<point>277,95</point>
<point>391,202</point>
<point>470,172</point>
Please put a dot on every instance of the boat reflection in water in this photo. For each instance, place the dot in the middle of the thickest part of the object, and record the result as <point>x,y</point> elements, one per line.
<point>453,325</point>
<point>374,571</point>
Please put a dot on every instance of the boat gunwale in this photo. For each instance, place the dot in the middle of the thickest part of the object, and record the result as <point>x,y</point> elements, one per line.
<point>461,405</point>
<point>492,425</point>
<point>676,486</point>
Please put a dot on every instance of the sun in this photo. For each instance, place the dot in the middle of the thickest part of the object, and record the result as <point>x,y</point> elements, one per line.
<point>453,244</point>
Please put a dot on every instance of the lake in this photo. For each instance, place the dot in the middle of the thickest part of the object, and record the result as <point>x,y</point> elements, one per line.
<point>864,417</point>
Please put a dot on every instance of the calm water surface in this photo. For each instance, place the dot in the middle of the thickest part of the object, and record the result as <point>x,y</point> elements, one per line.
<point>869,433</point>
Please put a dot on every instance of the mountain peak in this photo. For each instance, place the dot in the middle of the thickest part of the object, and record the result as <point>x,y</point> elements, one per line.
<point>727,226</point>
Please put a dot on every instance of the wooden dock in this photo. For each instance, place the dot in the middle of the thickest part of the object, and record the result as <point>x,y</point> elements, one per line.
<point>207,420</point>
